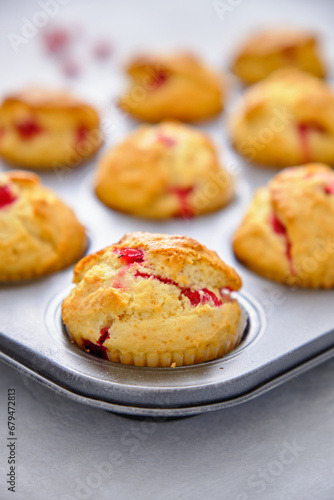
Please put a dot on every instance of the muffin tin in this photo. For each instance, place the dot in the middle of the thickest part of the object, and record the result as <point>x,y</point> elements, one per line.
<point>286,331</point>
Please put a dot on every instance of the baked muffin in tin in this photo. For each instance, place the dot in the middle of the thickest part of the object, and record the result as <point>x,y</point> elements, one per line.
<point>268,50</point>
<point>39,233</point>
<point>286,119</point>
<point>163,171</point>
<point>287,234</point>
<point>154,300</point>
<point>176,86</point>
<point>47,129</point>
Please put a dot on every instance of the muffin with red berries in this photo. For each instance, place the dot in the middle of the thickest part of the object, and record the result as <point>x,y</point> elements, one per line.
<point>163,171</point>
<point>176,86</point>
<point>39,234</point>
<point>287,234</point>
<point>268,50</point>
<point>154,300</point>
<point>45,129</point>
<point>286,119</point>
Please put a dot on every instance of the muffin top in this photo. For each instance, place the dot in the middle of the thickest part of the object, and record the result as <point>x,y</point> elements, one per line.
<point>276,38</point>
<point>287,234</point>
<point>35,110</point>
<point>40,98</point>
<point>43,129</point>
<point>284,120</point>
<point>164,171</point>
<point>177,86</point>
<point>265,51</point>
<point>39,233</point>
<point>183,259</point>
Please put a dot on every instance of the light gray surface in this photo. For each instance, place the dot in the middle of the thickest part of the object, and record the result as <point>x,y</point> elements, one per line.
<point>220,454</point>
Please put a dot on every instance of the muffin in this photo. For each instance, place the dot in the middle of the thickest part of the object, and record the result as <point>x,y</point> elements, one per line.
<point>163,171</point>
<point>265,51</point>
<point>44,129</point>
<point>39,234</point>
<point>175,86</point>
<point>154,300</point>
<point>287,234</point>
<point>285,120</point>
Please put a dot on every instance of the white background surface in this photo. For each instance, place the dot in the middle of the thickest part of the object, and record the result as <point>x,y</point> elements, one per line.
<point>241,453</point>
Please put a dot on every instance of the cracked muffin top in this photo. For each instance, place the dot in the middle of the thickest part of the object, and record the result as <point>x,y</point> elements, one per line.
<point>176,86</point>
<point>163,171</point>
<point>154,300</point>
<point>265,51</point>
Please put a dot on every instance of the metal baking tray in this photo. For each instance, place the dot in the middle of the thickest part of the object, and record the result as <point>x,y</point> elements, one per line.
<point>286,330</point>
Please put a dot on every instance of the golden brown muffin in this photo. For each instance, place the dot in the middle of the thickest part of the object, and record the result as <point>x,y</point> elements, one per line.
<point>39,234</point>
<point>287,234</point>
<point>44,129</point>
<point>176,87</point>
<point>285,120</point>
<point>154,300</point>
<point>163,171</point>
<point>264,52</point>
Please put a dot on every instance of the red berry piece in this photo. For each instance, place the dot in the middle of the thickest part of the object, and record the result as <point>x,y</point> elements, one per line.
<point>130,255</point>
<point>97,350</point>
<point>193,295</point>
<point>104,335</point>
<point>28,130</point>
<point>182,194</point>
<point>196,297</point>
<point>158,78</point>
<point>6,196</point>
<point>304,130</point>
<point>208,296</point>
<point>277,225</point>
<point>202,296</point>
<point>167,281</point>
<point>81,134</point>
<point>280,229</point>
<point>329,189</point>
<point>167,141</point>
